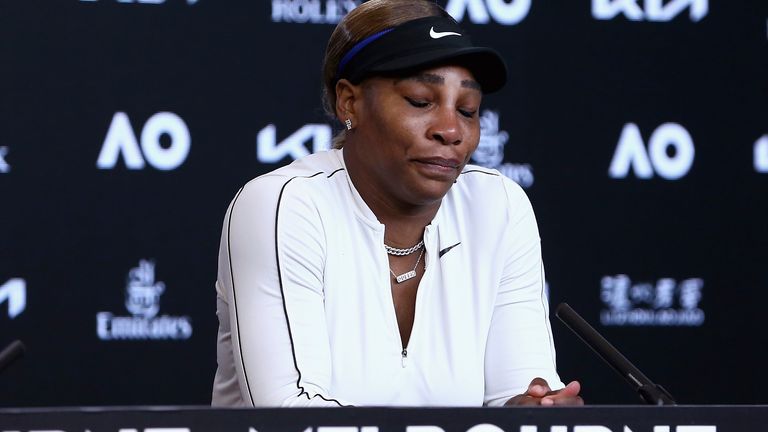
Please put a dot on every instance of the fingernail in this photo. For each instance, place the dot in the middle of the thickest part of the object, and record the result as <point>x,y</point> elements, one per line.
<point>546,401</point>
<point>537,389</point>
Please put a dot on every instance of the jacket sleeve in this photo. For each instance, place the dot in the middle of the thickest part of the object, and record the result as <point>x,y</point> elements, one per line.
<point>520,345</point>
<point>271,278</point>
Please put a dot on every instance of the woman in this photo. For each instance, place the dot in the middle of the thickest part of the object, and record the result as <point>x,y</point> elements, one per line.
<point>388,271</point>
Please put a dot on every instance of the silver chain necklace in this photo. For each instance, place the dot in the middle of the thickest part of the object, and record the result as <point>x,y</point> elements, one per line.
<point>407,275</point>
<point>403,252</point>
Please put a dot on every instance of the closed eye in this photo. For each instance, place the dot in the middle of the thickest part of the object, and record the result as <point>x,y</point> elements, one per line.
<point>417,103</point>
<point>468,113</point>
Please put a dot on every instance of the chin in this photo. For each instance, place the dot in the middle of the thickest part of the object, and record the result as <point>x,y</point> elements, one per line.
<point>432,192</point>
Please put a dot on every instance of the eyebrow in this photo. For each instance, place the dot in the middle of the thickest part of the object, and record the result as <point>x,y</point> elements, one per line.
<point>471,84</point>
<point>429,78</point>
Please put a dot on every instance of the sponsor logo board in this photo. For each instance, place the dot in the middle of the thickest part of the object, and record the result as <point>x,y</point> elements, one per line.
<point>670,153</point>
<point>649,10</point>
<point>662,303</point>
<point>490,151</point>
<point>311,11</point>
<point>761,155</point>
<point>484,427</point>
<point>14,292</point>
<point>150,429</point>
<point>268,150</point>
<point>121,141</point>
<point>5,167</point>
<point>141,2</point>
<point>503,12</point>
<point>142,300</point>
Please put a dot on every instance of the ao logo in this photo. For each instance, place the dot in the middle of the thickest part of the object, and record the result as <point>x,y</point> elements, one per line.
<point>269,151</point>
<point>761,154</point>
<point>503,12</point>
<point>4,166</point>
<point>121,140</point>
<point>15,292</point>
<point>631,153</point>
<point>655,10</point>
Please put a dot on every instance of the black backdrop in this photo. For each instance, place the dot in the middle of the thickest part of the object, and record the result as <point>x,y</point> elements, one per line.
<point>637,127</point>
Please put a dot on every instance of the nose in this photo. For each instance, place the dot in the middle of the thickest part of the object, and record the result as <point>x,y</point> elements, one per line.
<point>445,127</point>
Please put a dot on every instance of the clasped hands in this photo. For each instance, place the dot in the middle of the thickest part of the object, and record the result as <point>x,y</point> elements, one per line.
<point>539,393</point>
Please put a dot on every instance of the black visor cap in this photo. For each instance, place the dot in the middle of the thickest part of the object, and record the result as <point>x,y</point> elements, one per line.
<point>424,43</point>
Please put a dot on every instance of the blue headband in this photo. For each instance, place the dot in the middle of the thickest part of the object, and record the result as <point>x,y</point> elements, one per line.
<point>356,49</point>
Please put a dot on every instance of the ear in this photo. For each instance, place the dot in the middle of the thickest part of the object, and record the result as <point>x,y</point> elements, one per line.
<point>348,96</point>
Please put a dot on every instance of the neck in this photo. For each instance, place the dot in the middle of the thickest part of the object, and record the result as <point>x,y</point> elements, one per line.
<point>404,232</point>
<point>404,222</point>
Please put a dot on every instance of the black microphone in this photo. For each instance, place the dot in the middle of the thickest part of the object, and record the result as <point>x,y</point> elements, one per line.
<point>11,353</point>
<point>650,392</point>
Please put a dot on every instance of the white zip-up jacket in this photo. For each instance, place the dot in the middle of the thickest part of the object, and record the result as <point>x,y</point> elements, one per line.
<point>306,311</point>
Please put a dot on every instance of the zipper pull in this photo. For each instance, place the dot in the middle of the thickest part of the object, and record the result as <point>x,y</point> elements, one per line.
<point>404,358</point>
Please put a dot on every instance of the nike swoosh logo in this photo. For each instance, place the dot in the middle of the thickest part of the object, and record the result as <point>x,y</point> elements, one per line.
<point>437,35</point>
<point>445,251</point>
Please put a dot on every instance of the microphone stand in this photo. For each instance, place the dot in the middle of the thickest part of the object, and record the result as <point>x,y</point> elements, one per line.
<point>11,353</point>
<point>650,392</point>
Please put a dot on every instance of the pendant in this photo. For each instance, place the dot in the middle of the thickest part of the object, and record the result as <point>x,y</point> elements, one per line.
<point>405,276</point>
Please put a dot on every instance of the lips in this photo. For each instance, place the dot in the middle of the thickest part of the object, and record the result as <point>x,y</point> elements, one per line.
<point>440,162</point>
<point>438,168</point>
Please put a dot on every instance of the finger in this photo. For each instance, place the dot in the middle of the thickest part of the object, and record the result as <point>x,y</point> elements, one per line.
<point>523,400</point>
<point>569,395</point>
<point>538,387</point>
<point>529,401</point>
<point>562,400</point>
<point>572,389</point>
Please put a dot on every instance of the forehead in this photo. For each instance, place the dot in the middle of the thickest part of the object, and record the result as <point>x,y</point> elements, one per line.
<point>442,75</point>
